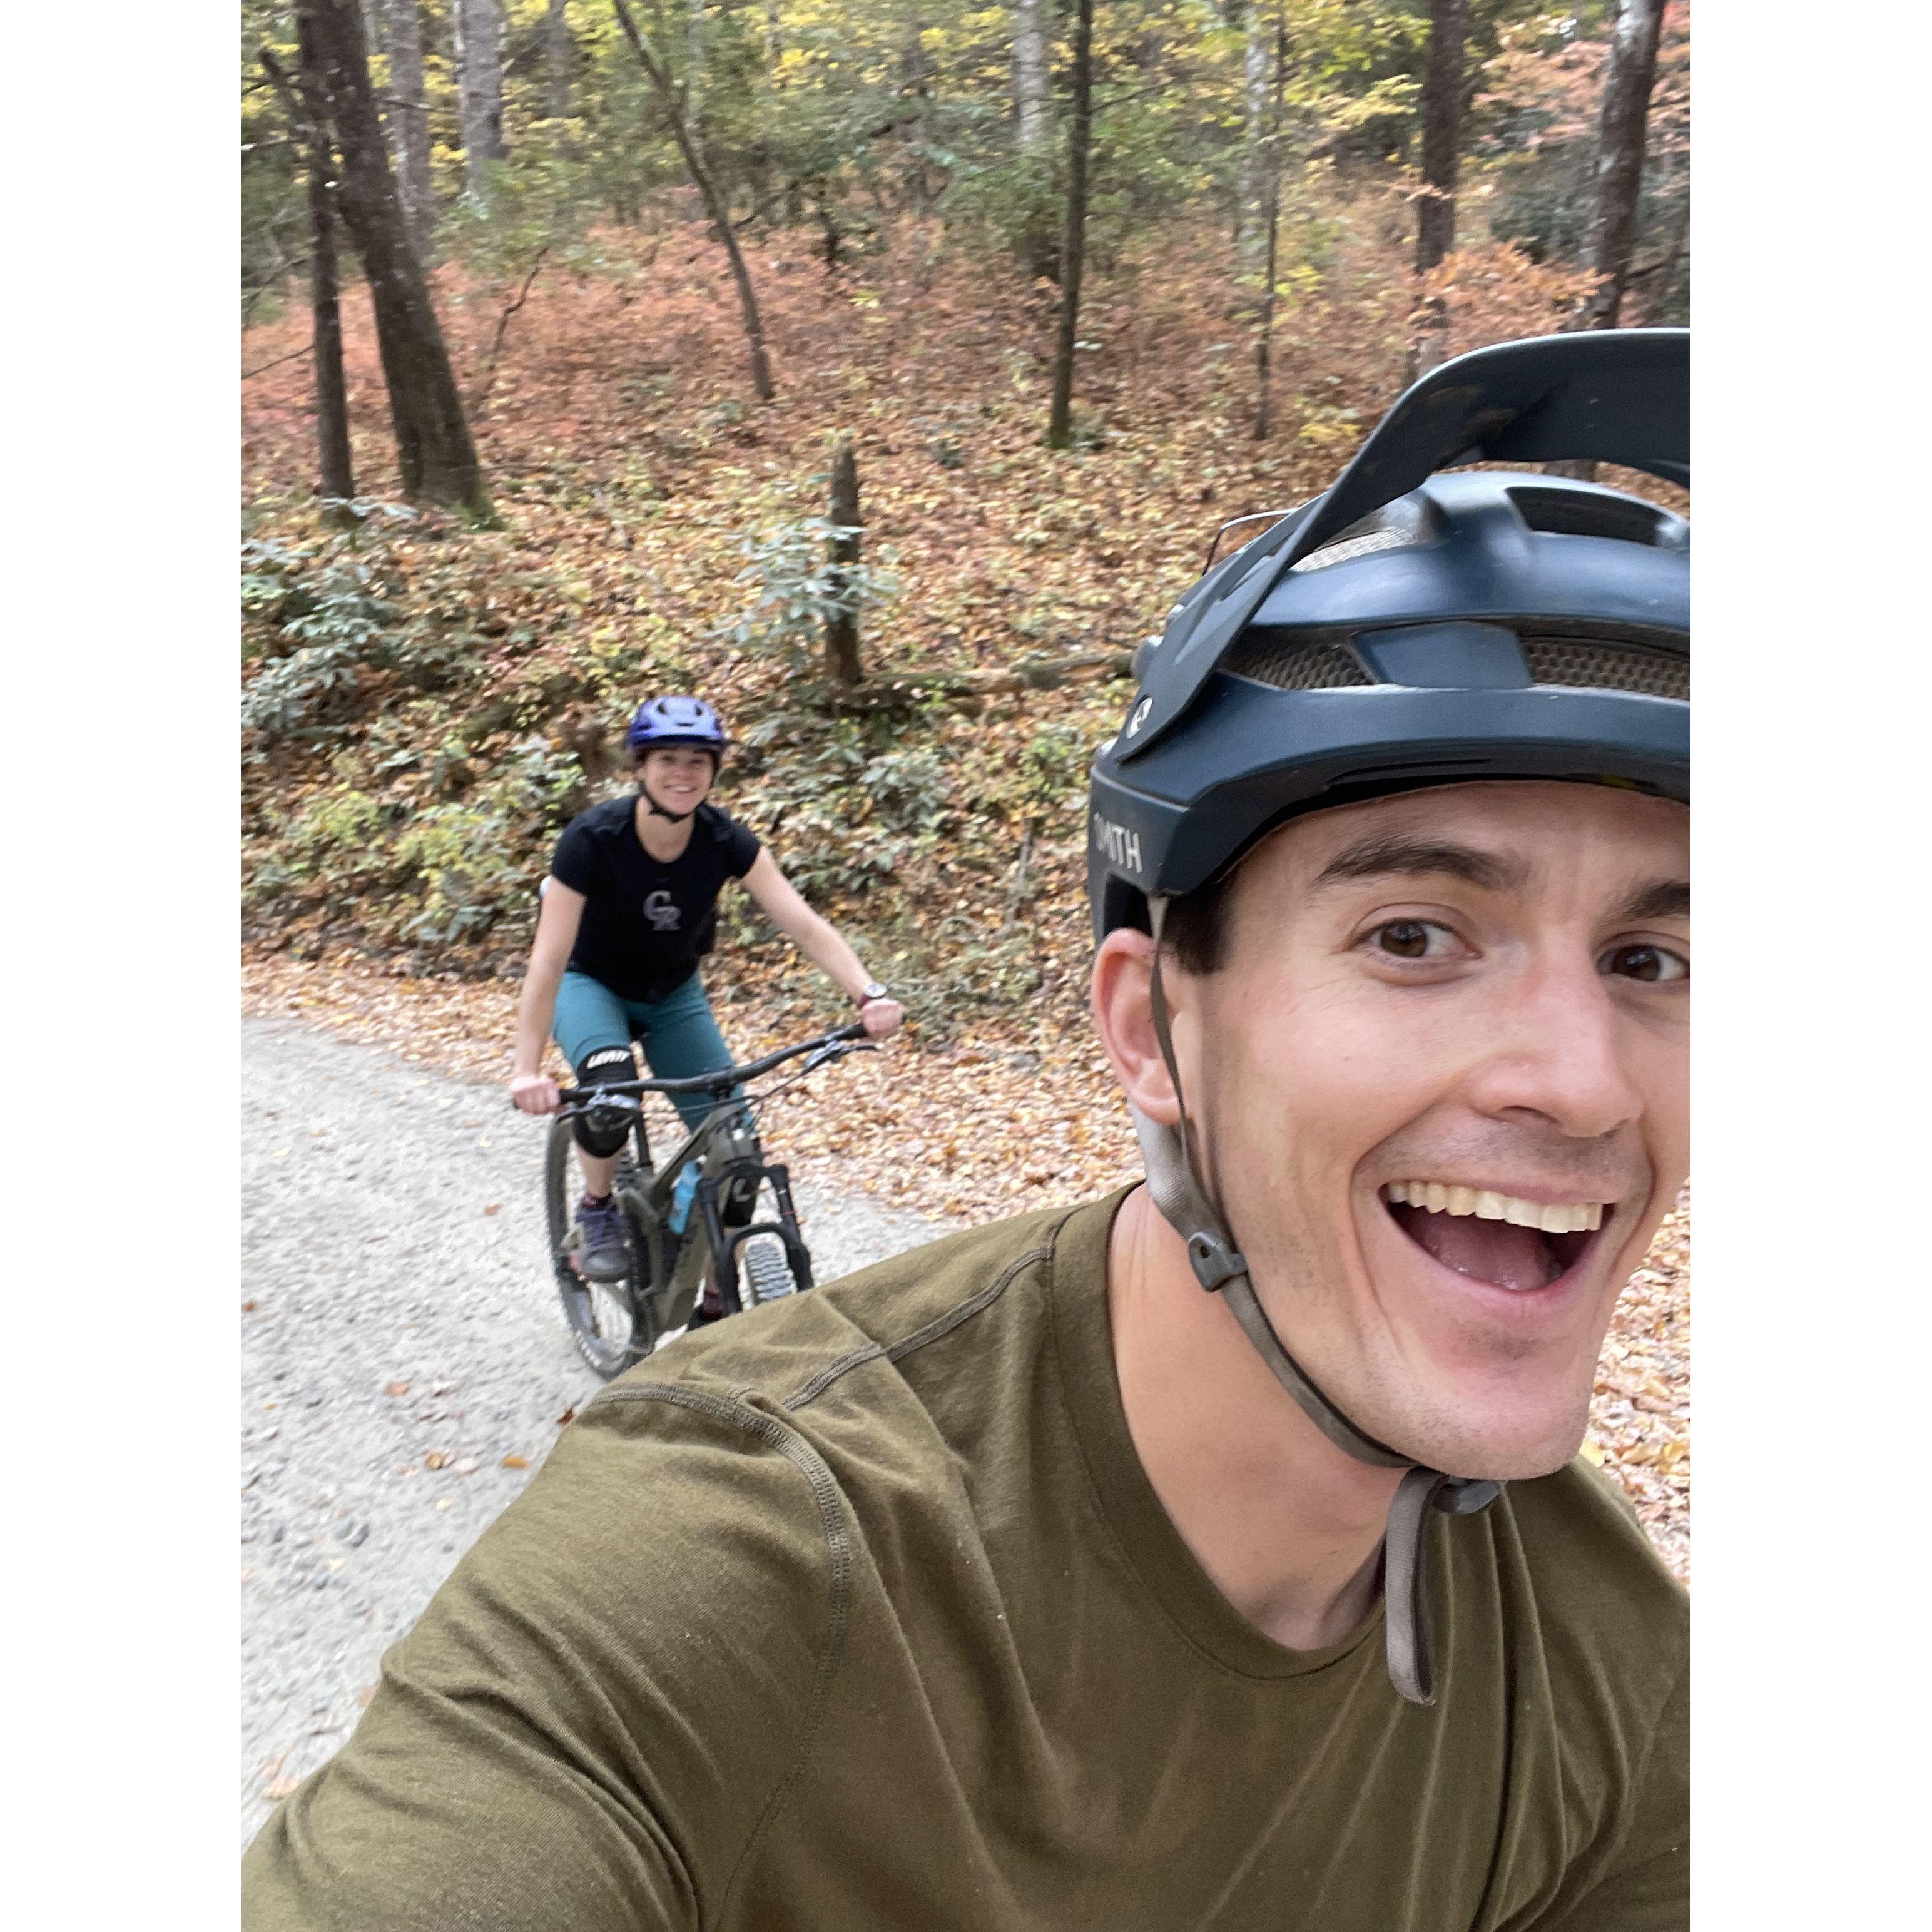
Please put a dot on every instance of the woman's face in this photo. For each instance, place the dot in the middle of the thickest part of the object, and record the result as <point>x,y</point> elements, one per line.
<point>677,779</point>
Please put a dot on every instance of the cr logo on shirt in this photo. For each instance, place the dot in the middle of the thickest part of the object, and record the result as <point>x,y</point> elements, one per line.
<point>663,915</point>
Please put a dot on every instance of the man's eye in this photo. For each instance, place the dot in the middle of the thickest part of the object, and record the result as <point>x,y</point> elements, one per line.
<point>1650,964</point>
<point>1412,939</point>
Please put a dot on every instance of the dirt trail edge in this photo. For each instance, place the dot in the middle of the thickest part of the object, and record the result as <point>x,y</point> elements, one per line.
<point>401,1341</point>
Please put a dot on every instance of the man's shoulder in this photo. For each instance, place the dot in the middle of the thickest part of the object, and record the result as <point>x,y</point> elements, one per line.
<point>788,1356</point>
<point>1602,1594</point>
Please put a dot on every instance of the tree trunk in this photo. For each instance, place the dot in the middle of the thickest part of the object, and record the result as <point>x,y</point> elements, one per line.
<point>842,665</point>
<point>308,127</point>
<point>694,63</point>
<point>407,118</point>
<point>479,30</point>
<point>1073,252</point>
<point>560,62</point>
<point>1033,79</point>
<point>1442,153</point>
<point>1442,133</point>
<point>1251,184</point>
<point>1612,240</point>
<point>1038,246</point>
<point>434,449</point>
<point>1621,133</point>
<point>1271,267</point>
<point>714,202</point>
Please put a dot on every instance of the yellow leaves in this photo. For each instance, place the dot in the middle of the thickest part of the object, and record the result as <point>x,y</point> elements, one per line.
<point>1592,1452</point>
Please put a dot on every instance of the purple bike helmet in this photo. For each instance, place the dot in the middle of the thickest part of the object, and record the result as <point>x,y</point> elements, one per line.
<point>661,721</point>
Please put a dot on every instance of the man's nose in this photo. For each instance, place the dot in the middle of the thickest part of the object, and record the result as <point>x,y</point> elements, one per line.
<point>1561,1053</point>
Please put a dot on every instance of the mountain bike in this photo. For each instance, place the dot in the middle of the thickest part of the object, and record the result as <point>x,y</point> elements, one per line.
<point>715,1209</point>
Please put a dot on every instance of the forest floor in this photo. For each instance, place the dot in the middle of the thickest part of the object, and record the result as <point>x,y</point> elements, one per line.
<point>430,702</point>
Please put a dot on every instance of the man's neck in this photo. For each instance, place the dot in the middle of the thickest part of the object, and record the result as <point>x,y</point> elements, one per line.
<point>1287,1527</point>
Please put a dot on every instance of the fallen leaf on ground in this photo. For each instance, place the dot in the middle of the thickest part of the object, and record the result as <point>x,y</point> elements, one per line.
<point>395,1388</point>
<point>436,1459</point>
<point>516,1463</point>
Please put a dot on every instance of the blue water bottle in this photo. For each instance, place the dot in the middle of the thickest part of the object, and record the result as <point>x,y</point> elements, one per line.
<point>681,1198</point>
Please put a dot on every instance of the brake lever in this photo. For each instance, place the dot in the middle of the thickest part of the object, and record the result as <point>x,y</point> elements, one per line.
<point>837,1050</point>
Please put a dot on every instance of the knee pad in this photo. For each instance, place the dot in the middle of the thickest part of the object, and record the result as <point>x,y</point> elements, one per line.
<point>601,1067</point>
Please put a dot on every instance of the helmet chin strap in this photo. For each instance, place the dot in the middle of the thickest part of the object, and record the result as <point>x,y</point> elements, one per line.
<point>654,810</point>
<point>1185,1201</point>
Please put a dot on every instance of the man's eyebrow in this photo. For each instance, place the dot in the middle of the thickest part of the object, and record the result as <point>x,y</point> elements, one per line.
<point>1661,898</point>
<point>1392,852</point>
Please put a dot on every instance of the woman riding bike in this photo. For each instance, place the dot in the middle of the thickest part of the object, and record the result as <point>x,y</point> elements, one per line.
<point>629,909</point>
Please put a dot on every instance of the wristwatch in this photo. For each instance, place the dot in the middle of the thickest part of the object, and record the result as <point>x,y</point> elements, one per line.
<point>872,990</point>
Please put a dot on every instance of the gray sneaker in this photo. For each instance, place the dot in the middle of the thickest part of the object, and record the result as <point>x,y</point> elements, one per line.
<point>602,1253</point>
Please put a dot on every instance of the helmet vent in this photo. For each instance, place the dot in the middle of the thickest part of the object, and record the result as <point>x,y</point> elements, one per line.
<point>1296,665</point>
<point>1392,527</point>
<point>1580,513</point>
<point>1605,668</point>
<point>1345,549</point>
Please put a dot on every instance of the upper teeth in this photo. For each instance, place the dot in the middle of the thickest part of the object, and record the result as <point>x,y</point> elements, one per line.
<point>1443,1198</point>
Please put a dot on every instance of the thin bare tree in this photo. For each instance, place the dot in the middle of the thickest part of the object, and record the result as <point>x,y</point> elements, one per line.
<point>1038,246</point>
<point>842,663</point>
<point>1442,92</point>
<point>1621,136</point>
<point>1073,250</point>
<point>1277,80</point>
<point>478,29</point>
<point>560,62</point>
<point>399,25</point>
<point>714,204</point>
<point>1032,78</point>
<point>1252,198</point>
<point>308,123</point>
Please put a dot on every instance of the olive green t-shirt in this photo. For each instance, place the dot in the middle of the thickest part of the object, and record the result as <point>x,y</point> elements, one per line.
<point>859,1614</point>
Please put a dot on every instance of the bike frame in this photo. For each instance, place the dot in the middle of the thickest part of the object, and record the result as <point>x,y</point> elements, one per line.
<point>725,1146</point>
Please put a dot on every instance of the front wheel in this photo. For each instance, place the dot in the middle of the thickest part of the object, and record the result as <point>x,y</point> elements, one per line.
<point>762,1263</point>
<point>609,1321</point>
<point>765,1271</point>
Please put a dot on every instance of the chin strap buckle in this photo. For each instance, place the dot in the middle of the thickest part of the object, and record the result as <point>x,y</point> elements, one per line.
<point>1214,1261</point>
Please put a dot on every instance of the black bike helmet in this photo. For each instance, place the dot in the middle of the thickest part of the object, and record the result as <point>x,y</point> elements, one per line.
<point>1405,629</point>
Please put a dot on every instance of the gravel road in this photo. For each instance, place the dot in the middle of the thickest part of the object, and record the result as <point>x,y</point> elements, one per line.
<point>397,1312</point>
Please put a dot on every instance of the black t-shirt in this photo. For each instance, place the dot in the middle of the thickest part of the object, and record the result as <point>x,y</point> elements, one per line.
<point>646,925</point>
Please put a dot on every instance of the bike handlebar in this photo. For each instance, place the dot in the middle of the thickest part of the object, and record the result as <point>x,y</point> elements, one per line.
<point>727,1077</point>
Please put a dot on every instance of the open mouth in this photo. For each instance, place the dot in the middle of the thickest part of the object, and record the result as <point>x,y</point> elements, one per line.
<point>1501,1239</point>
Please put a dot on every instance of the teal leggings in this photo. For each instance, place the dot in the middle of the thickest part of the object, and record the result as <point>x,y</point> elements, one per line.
<point>679,1033</point>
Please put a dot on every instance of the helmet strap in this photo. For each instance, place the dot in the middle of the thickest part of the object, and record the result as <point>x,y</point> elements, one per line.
<point>1190,1206</point>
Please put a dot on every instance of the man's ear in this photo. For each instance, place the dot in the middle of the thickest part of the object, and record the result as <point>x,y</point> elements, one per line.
<point>1121,997</point>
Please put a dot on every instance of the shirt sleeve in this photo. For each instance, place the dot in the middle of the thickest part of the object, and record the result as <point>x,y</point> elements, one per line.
<point>741,849</point>
<point>575,861</point>
<point>591,1719</point>
<point>1646,1885</point>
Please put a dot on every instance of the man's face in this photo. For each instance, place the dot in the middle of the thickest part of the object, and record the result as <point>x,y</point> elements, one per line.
<point>1440,1017</point>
